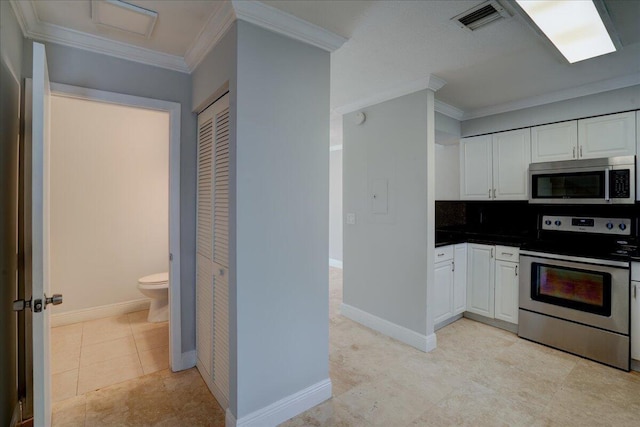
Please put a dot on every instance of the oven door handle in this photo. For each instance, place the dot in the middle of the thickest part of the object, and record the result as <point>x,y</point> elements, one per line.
<point>584,260</point>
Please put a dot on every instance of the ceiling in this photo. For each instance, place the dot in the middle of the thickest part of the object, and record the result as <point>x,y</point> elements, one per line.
<point>393,46</point>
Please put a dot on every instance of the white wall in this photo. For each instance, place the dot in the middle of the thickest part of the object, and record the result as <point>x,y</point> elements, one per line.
<point>448,172</point>
<point>385,254</point>
<point>109,200</point>
<point>281,222</point>
<point>335,206</point>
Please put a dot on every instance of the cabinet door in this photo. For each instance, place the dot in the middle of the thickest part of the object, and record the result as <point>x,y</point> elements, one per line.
<point>480,271</point>
<point>443,291</point>
<point>635,320</point>
<point>557,141</point>
<point>607,136</point>
<point>506,291</point>
<point>460,278</point>
<point>475,168</point>
<point>511,158</point>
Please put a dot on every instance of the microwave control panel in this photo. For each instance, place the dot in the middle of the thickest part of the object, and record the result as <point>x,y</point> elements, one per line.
<point>619,184</point>
<point>615,226</point>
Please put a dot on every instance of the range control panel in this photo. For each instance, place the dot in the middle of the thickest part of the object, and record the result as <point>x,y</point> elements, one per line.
<point>614,226</point>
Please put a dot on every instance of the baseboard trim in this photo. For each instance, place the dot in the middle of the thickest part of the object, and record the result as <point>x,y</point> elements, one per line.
<point>284,409</point>
<point>335,263</point>
<point>447,322</point>
<point>407,336</point>
<point>187,360</point>
<point>496,323</point>
<point>635,365</point>
<point>229,419</point>
<point>85,314</point>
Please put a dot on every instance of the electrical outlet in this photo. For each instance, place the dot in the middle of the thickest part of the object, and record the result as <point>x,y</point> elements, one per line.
<point>351,218</point>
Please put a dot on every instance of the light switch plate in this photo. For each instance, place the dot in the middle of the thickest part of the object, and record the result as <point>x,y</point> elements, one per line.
<point>351,218</point>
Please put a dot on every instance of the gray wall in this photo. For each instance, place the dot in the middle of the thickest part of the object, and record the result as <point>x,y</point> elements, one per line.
<point>11,46</point>
<point>282,221</point>
<point>217,68</point>
<point>87,69</point>
<point>335,205</point>
<point>592,105</point>
<point>385,255</point>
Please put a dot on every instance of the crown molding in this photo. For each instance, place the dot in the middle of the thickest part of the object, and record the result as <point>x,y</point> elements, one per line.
<point>286,24</point>
<point>217,25</point>
<point>34,29</point>
<point>435,83</point>
<point>561,95</point>
<point>430,82</point>
<point>220,20</point>
<point>449,110</point>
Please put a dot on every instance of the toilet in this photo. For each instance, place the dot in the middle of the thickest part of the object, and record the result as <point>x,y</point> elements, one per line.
<point>156,287</point>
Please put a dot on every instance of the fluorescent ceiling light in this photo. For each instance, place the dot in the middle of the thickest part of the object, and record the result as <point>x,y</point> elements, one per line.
<point>573,26</point>
<point>123,16</point>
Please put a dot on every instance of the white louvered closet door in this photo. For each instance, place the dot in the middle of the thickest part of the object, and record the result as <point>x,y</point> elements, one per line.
<point>212,254</point>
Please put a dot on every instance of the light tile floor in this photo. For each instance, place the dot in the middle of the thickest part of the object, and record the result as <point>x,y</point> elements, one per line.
<point>92,355</point>
<point>478,376</point>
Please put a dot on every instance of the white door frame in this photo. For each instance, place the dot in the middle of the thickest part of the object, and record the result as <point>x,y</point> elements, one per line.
<point>173,108</point>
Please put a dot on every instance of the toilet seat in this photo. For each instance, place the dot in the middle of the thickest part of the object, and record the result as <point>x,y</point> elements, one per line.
<point>158,279</point>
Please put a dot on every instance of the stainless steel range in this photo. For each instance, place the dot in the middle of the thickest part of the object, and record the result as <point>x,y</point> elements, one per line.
<point>575,288</point>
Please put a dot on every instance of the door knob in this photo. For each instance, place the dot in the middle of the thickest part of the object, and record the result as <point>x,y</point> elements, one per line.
<point>56,299</point>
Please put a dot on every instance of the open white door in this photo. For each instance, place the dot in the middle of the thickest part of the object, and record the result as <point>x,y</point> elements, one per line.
<point>40,236</point>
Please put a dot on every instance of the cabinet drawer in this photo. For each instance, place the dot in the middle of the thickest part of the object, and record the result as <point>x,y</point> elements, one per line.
<point>444,253</point>
<point>635,271</point>
<point>507,253</point>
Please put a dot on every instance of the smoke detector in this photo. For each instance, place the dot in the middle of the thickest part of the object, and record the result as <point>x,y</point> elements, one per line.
<point>480,15</point>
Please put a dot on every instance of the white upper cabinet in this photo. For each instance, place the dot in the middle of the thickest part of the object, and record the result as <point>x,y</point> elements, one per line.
<point>511,158</point>
<point>557,141</point>
<point>495,166</point>
<point>476,172</point>
<point>607,136</point>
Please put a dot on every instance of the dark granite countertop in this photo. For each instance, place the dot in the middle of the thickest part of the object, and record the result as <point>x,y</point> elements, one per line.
<point>450,236</point>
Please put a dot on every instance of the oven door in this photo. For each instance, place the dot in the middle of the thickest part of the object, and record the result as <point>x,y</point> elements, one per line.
<point>583,290</point>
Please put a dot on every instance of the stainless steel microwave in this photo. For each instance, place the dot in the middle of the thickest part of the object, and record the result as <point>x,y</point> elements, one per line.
<point>609,180</point>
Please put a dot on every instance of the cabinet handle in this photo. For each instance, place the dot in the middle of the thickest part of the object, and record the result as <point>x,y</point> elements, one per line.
<point>516,270</point>
<point>491,252</point>
<point>453,266</point>
<point>494,193</point>
<point>574,152</point>
<point>442,254</point>
<point>581,151</point>
<point>507,253</point>
<point>489,193</point>
<point>635,291</point>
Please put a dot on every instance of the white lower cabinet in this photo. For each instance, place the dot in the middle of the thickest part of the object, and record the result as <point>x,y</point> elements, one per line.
<point>459,278</point>
<point>480,273</point>
<point>506,291</point>
<point>635,311</point>
<point>492,281</point>
<point>450,282</point>
<point>443,291</point>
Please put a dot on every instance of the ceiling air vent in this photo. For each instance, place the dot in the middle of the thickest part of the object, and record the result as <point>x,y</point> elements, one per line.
<point>480,15</point>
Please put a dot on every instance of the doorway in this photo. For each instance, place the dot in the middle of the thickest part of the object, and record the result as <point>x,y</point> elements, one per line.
<point>105,321</point>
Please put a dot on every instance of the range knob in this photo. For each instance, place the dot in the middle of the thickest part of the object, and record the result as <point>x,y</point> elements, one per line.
<point>558,223</point>
<point>622,227</point>
<point>609,225</point>
<point>548,222</point>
